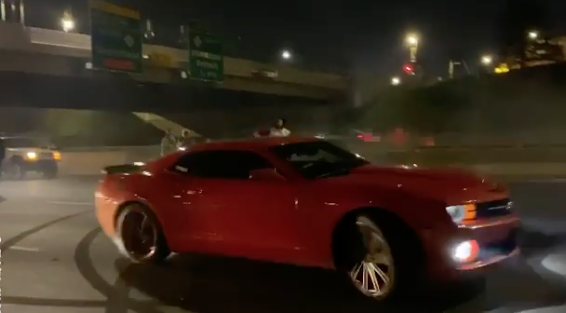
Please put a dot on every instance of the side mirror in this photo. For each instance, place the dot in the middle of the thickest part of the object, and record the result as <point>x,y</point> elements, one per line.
<point>266,174</point>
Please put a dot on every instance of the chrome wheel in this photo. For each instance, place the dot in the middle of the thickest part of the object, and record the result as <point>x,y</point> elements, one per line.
<point>374,275</point>
<point>139,235</point>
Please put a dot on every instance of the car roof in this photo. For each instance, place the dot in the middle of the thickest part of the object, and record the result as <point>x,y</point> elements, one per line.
<point>250,143</point>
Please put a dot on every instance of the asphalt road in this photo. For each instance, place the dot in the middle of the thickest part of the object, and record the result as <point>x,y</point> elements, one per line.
<point>55,259</point>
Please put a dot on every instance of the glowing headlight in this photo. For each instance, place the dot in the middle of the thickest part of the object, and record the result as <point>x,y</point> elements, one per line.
<point>457,213</point>
<point>181,148</point>
<point>465,251</point>
<point>31,155</point>
<point>462,251</point>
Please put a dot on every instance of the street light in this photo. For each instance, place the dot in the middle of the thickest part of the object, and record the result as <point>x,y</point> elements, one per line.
<point>533,35</point>
<point>487,60</point>
<point>412,40</point>
<point>286,55</point>
<point>67,22</point>
<point>413,43</point>
<point>395,81</point>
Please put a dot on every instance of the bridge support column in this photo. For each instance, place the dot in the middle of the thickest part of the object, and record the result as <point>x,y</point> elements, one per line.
<point>14,12</point>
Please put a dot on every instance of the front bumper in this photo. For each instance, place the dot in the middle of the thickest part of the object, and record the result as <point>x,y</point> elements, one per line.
<point>40,165</point>
<point>496,241</point>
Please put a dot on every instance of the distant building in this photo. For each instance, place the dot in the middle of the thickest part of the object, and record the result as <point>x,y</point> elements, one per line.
<point>536,52</point>
<point>560,41</point>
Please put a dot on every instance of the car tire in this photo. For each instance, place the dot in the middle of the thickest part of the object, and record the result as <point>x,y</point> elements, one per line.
<point>141,236</point>
<point>375,254</point>
<point>16,169</point>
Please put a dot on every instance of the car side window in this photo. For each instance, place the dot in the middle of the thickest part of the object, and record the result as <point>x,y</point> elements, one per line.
<point>321,155</point>
<point>222,164</point>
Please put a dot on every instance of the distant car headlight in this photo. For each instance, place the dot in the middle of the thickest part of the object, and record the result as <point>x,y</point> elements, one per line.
<point>57,156</point>
<point>31,156</point>
<point>182,148</point>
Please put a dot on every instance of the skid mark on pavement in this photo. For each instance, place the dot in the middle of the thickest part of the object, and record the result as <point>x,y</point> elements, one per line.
<point>118,295</point>
<point>6,245</point>
<point>84,263</point>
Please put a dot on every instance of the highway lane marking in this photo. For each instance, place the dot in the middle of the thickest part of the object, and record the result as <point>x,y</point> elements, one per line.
<point>556,263</point>
<point>71,203</point>
<point>551,309</point>
<point>28,249</point>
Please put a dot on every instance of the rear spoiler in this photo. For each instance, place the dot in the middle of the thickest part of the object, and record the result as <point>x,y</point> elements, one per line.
<point>123,168</point>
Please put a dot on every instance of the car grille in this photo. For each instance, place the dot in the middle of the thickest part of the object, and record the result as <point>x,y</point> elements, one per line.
<point>495,208</point>
<point>46,155</point>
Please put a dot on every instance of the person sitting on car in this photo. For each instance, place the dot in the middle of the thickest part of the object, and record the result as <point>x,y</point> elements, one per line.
<point>278,130</point>
<point>186,141</point>
<point>168,143</point>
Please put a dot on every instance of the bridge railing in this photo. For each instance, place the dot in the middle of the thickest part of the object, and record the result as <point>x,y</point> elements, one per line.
<point>177,58</point>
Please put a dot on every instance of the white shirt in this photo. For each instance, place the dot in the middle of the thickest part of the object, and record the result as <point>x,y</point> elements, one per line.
<point>276,132</point>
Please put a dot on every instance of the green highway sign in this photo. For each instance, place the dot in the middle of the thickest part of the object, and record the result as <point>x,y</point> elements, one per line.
<point>116,38</point>
<point>206,60</point>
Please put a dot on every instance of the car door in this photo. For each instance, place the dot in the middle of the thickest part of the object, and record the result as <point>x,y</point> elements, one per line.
<point>256,218</point>
<point>193,207</point>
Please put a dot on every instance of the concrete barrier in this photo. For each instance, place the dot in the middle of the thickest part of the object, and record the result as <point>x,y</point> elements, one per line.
<point>90,161</point>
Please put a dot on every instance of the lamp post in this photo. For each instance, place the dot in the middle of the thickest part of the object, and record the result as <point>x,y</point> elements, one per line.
<point>395,81</point>
<point>68,22</point>
<point>286,55</point>
<point>412,41</point>
<point>487,60</point>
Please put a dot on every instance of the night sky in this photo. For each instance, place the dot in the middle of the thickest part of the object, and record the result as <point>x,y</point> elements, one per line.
<point>365,36</point>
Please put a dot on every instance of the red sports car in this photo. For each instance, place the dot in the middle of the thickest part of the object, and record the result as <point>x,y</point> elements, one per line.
<point>310,203</point>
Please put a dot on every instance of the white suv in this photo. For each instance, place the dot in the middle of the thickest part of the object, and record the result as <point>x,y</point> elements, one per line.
<point>28,154</point>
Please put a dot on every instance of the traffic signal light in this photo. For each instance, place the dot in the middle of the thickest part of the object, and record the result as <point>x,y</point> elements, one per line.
<point>408,68</point>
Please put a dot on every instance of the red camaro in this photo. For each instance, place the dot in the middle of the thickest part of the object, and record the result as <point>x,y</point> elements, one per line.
<point>309,203</point>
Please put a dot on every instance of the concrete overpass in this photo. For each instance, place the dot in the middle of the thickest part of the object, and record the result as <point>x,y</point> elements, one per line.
<point>56,53</point>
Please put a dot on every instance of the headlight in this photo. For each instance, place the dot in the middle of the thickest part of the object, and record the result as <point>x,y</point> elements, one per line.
<point>182,148</point>
<point>459,213</point>
<point>456,212</point>
<point>31,155</point>
<point>57,156</point>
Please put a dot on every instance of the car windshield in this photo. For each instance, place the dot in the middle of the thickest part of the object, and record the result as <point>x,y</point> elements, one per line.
<point>319,159</point>
<point>23,142</point>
